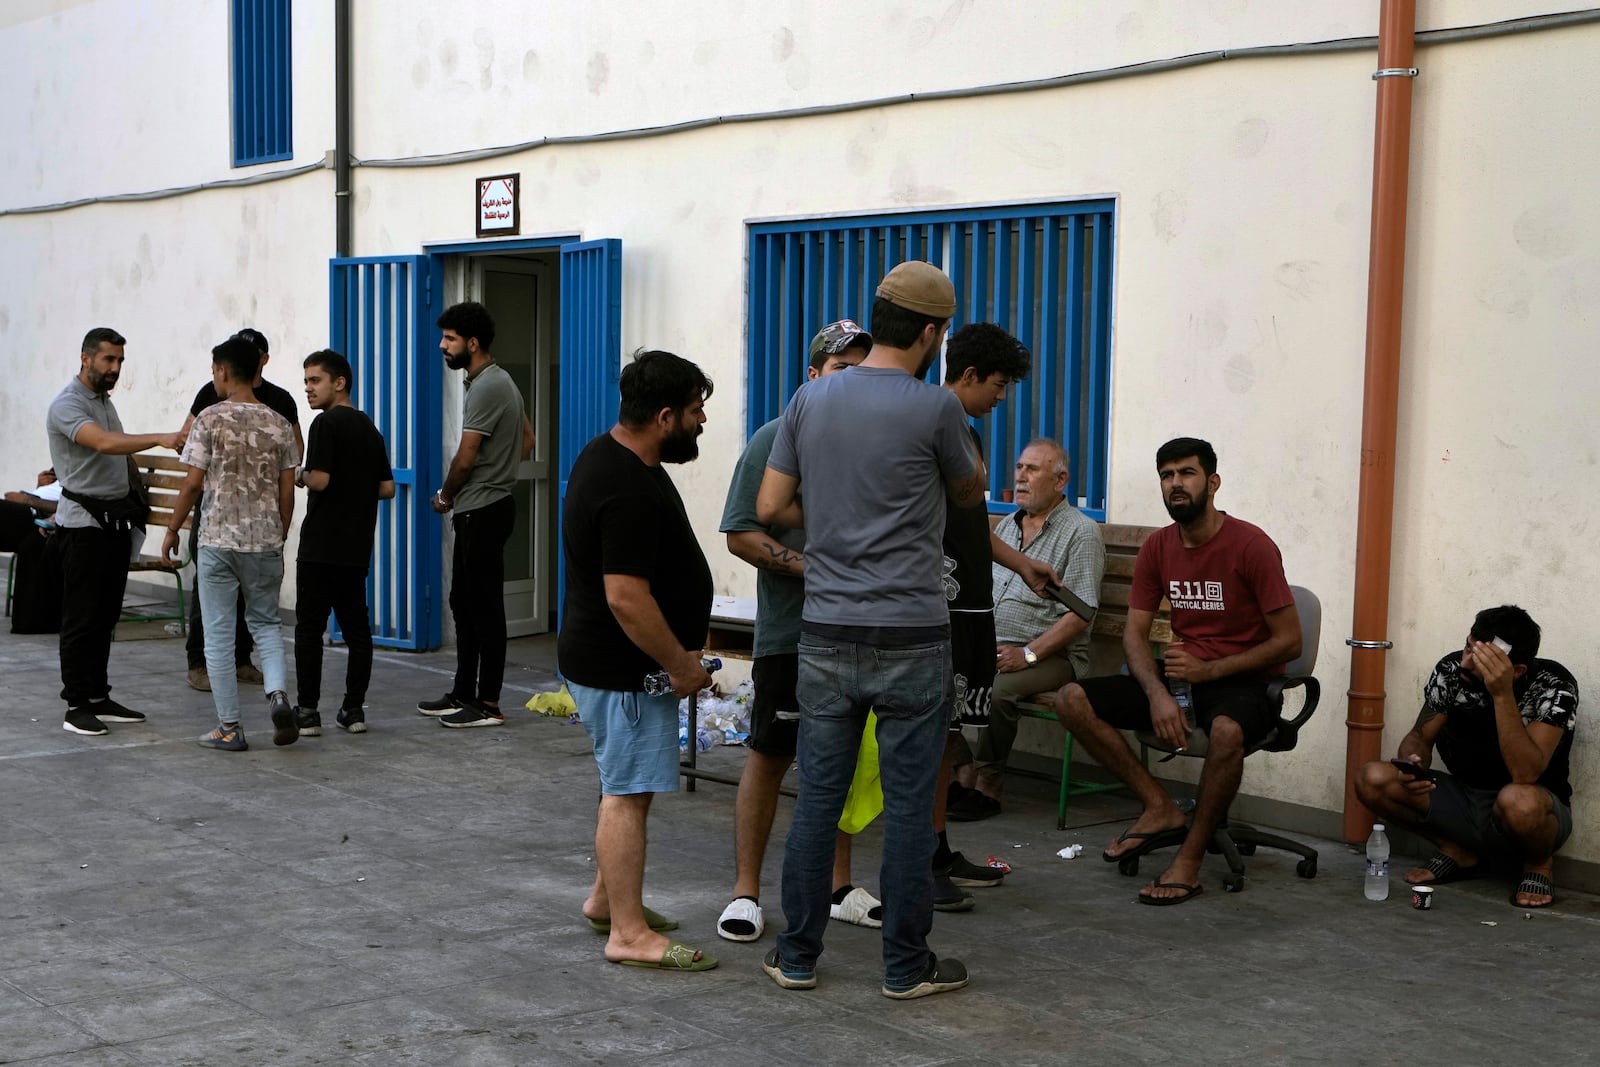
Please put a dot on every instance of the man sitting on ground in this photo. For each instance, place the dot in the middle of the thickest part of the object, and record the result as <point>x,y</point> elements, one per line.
<point>1234,626</point>
<point>1503,720</point>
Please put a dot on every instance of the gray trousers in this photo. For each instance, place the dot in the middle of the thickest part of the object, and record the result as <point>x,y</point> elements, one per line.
<point>993,745</point>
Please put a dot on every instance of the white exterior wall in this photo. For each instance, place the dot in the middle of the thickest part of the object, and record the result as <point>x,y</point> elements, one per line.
<point>1242,193</point>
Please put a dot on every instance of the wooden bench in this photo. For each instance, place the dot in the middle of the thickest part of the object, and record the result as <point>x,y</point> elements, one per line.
<point>1110,622</point>
<point>163,477</point>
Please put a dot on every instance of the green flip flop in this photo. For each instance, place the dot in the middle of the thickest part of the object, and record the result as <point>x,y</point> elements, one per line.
<point>677,957</point>
<point>655,920</point>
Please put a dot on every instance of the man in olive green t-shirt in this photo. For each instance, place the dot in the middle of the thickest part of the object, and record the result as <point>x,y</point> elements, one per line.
<point>495,437</point>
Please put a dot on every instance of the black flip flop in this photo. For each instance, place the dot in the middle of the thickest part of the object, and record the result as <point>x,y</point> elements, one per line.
<point>1190,892</point>
<point>1128,835</point>
<point>1534,882</point>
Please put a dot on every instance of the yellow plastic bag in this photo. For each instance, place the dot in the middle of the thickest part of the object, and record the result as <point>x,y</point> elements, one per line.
<point>864,802</point>
<point>559,702</point>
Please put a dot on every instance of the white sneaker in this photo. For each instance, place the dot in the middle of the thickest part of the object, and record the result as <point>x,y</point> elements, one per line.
<point>856,908</point>
<point>744,917</point>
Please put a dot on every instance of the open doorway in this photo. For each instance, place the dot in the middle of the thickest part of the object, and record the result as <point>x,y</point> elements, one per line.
<point>522,292</point>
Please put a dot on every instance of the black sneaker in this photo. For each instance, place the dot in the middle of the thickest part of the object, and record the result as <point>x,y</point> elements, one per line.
<point>941,977</point>
<point>443,706</point>
<point>83,721</point>
<point>963,872</point>
<point>309,721</point>
<point>351,720</point>
<point>284,729</point>
<point>109,710</point>
<point>946,897</point>
<point>972,806</point>
<point>472,713</point>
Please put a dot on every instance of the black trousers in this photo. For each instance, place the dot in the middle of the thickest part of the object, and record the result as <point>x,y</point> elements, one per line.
<point>477,598</point>
<point>194,645</point>
<point>321,588</point>
<point>94,568</point>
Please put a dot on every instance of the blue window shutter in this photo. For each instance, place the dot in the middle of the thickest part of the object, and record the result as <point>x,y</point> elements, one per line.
<point>262,75</point>
<point>591,355</point>
<point>379,320</point>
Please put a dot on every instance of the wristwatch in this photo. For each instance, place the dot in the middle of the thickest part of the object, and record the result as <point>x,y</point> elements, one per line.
<point>1027,654</point>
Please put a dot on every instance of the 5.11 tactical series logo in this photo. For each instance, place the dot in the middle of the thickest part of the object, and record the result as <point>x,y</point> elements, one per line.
<point>1196,596</point>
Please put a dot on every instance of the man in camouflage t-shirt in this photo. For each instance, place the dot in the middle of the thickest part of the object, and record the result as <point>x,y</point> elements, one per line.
<point>1503,720</point>
<point>242,455</point>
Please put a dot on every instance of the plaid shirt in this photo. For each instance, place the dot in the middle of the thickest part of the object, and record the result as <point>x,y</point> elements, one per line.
<point>1069,542</point>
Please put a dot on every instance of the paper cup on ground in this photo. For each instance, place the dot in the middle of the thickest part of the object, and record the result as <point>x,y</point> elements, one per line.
<point>1422,897</point>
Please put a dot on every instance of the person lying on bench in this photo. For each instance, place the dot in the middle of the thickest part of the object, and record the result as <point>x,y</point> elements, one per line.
<point>1234,626</point>
<point>1503,720</point>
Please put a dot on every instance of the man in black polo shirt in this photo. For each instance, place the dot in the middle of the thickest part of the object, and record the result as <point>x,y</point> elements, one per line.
<point>347,472</point>
<point>279,400</point>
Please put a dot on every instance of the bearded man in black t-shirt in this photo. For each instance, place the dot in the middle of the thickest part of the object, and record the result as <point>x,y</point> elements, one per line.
<point>1503,720</point>
<point>279,400</point>
<point>347,472</point>
<point>637,602</point>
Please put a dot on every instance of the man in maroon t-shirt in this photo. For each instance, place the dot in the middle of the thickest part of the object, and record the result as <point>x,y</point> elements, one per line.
<point>1234,626</point>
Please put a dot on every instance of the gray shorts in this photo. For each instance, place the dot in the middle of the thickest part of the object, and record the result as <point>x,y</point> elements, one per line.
<point>635,738</point>
<point>1465,816</point>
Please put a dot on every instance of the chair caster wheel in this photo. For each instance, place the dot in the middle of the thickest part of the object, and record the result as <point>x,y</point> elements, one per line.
<point>1246,849</point>
<point>1129,866</point>
<point>1232,883</point>
<point>1306,868</point>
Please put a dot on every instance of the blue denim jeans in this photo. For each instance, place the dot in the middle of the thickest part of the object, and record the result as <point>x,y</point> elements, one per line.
<point>911,690</point>
<point>224,573</point>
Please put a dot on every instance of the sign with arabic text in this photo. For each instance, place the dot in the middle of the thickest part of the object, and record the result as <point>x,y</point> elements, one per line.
<point>499,214</point>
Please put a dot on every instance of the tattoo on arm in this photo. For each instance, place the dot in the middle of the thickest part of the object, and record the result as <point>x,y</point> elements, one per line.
<point>782,559</point>
<point>969,491</point>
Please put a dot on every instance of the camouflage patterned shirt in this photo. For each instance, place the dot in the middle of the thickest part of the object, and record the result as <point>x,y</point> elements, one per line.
<point>242,448</point>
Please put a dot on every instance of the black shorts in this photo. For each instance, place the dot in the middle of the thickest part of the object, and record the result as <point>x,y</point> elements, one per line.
<point>1465,816</point>
<point>775,714</point>
<point>972,647</point>
<point>1119,700</point>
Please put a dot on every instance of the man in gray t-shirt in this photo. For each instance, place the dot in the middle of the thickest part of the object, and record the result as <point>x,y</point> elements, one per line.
<point>872,453</point>
<point>98,511</point>
<point>495,437</point>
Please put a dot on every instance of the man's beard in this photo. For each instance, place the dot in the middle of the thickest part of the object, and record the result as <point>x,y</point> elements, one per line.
<point>681,446</point>
<point>103,382</point>
<point>1187,513</point>
<point>928,360</point>
<point>459,361</point>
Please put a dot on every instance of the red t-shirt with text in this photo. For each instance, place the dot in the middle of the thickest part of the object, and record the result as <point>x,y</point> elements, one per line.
<point>1221,592</point>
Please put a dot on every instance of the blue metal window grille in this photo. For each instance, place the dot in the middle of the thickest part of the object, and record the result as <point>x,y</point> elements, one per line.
<point>261,82</point>
<point>1042,271</point>
<point>379,318</point>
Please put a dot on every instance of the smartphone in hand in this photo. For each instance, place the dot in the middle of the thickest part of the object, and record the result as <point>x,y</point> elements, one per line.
<point>1415,770</point>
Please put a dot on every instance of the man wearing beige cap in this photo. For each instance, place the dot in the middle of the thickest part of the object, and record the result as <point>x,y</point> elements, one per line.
<point>874,453</point>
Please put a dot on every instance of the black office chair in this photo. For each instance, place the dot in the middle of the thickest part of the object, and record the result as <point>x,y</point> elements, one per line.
<point>1235,840</point>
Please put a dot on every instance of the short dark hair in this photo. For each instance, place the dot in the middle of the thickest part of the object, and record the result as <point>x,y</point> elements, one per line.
<point>1509,623</point>
<point>335,364</point>
<point>101,335</point>
<point>987,349</point>
<point>655,380</point>
<point>1184,447</point>
<point>242,358</point>
<point>257,338</point>
<point>896,327</point>
<point>471,321</point>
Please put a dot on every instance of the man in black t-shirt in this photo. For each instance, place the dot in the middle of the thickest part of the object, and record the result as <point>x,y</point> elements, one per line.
<point>1503,720</point>
<point>280,401</point>
<point>637,602</point>
<point>347,472</point>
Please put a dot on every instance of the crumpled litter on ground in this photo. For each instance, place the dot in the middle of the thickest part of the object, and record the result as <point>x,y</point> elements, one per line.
<point>554,704</point>
<point>1070,852</point>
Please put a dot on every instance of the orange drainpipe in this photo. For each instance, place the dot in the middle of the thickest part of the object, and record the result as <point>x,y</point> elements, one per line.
<point>1380,402</point>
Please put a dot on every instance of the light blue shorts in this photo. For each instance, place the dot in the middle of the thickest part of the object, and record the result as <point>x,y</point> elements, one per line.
<point>635,739</point>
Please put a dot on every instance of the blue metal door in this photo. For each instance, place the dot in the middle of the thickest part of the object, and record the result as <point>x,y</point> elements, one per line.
<point>591,351</point>
<point>378,319</point>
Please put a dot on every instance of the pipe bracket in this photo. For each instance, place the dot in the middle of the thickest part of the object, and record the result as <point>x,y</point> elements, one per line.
<point>1353,643</point>
<point>1395,72</point>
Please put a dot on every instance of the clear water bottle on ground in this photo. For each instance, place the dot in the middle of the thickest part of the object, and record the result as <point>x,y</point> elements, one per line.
<point>705,739</point>
<point>1377,864</point>
<point>659,682</point>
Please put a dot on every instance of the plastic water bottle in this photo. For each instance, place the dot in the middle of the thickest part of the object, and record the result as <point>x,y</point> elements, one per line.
<point>1183,695</point>
<point>705,739</point>
<point>1377,864</point>
<point>658,682</point>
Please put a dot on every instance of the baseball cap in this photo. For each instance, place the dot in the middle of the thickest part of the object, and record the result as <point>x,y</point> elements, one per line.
<point>838,336</point>
<point>921,287</point>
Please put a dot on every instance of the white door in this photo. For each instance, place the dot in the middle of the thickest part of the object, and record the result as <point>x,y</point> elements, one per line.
<point>520,292</point>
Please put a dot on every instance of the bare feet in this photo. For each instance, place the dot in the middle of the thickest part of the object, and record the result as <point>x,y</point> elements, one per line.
<point>1178,882</point>
<point>646,949</point>
<point>1536,899</point>
<point>1464,858</point>
<point>1146,825</point>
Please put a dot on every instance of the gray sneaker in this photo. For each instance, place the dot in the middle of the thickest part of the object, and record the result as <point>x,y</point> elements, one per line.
<point>942,976</point>
<point>285,731</point>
